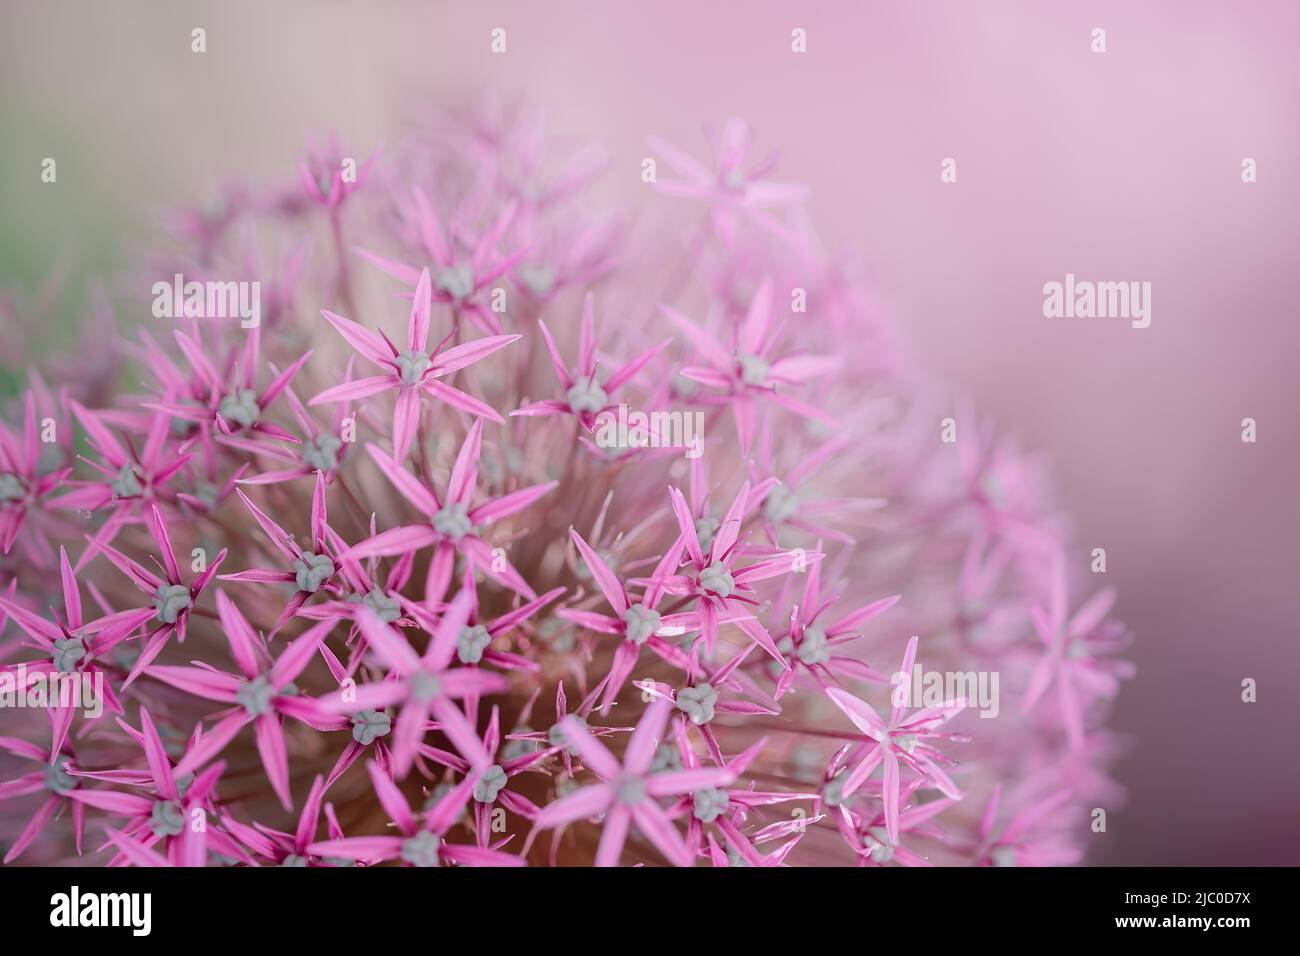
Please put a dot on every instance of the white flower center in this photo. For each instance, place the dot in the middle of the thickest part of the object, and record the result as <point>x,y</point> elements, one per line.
<point>641,623</point>
<point>490,784</point>
<point>698,703</point>
<point>411,366</point>
<point>813,648</point>
<point>169,600</point>
<point>456,281</point>
<point>322,452</point>
<point>452,521</point>
<point>240,408</point>
<point>471,643</point>
<point>422,849</point>
<point>753,369</point>
<point>586,395</point>
<point>311,570</point>
<point>717,579</point>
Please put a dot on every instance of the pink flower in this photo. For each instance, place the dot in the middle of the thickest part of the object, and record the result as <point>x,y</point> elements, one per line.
<point>1073,657</point>
<point>325,178</point>
<point>902,740</point>
<point>748,372</point>
<point>460,277</point>
<point>359,588</point>
<point>474,643</point>
<point>586,394</point>
<point>451,521</point>
<point>433,609</point>
<point>320,451</point>
<point>130,480</point>
<point>565,258</point>
<point>493,783</point>
<point>787,503</point>
<point>288,849</point>
<point>628,793</point>
<point>261,692</point>
<point>740,850</point>
<point>636,624</point>
<point>729,188</point>
<point>73,644</point>
<point>714,577</point>
<point>703,698</point>
<point>136,852</point>
<point>173,600</point>
<point>24,490</point>
<point>421,842</point>
<point>231,404</point>
<point>173,811</point>
<point>876,843</point>
<point>424,684</point>
<point>811,645</point>
<point>56,775</point>
<point>533,741</point>
<point>1004,490</point>
<point>312,569</point>
<point>413,370</point>
<point>717,815</point>
<point>1026,839</point>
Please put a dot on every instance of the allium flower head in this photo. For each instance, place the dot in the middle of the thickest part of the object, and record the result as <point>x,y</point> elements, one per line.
<point>706,607</point>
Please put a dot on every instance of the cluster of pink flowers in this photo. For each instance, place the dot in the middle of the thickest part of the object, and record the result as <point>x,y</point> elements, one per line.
<point>390,523</point>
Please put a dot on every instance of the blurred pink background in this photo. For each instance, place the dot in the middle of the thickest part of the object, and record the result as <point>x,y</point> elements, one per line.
<point>1116,166</point>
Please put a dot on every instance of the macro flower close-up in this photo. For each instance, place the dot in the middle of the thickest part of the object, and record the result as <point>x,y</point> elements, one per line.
<point>490,493</point>
<point>476,488</point>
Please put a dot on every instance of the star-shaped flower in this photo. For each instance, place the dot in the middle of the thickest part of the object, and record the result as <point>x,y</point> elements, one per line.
<point>173,600</point>
<point>735,185</point>
<point>130,480</point>
<point>320,451</point>
<point>715,577</point>
<point>628,792</point>
<point>232,404</point>
<point>810,643</point>
<point>1074,654</point>
<point>493,785</point>
<point>474,645</point>
<point>54,777</point>
<point>748,372</point>
<point>462,271</point>
<point>312,569</point>
<point>263,692</point>
<point>412,371</point>
<point>174,801</point>
<point>1029,837</point>
<point>902,740</point>
<point>586,393</point>
<point>288,849</point>
<point>422,841</point>
<point>25,490</point>
<point>876,843</point>
<point>73,645</point>
<point>452,521</point>
<point>635,624</point>
<point>324,177</point>
<point>423,684</point>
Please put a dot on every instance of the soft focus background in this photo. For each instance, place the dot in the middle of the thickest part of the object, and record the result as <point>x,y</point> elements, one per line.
<point>1117,166</point>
